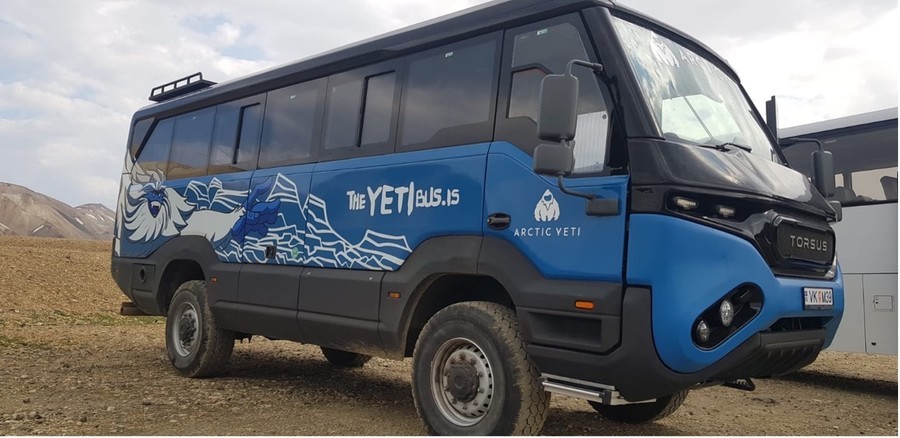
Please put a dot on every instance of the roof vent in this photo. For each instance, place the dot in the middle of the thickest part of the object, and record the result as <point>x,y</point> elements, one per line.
<point>179,87</point>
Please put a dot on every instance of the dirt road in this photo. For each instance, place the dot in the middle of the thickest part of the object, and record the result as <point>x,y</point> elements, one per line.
<point>69,365</point>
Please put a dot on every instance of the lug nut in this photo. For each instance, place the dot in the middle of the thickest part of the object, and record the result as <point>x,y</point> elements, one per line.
<point>462,356</point>
<point>452,361</point>
<point>480,390</point>
<point>472,361</point>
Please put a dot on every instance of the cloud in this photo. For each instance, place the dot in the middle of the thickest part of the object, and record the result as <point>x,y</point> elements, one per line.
<point>73,73</point>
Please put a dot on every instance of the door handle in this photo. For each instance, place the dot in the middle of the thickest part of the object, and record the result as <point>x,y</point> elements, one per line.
<point>499,221</point>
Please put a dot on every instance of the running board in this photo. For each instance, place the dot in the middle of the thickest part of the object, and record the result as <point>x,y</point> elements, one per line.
<point>584,390</point>
<point>129,309</point>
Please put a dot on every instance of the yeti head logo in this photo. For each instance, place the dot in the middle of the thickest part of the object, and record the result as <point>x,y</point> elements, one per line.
<point>151,208</point>
<point>547,208</point>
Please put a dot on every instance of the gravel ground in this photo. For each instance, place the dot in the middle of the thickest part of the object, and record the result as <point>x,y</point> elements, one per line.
<point>70,366</point>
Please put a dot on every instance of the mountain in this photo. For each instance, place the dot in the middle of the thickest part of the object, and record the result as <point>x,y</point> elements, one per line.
<point>24,212</point>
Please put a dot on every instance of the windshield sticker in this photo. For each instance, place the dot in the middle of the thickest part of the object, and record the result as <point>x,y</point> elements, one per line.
<point>386,200</point>
<point>662,52</point>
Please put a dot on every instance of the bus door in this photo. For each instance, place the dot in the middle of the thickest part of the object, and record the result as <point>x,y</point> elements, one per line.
<point>273,231</point>
<point>546,225</point>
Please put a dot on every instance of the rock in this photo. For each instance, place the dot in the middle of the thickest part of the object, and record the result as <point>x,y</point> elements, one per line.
<point>146,402</point>
<point>34,415</point>
<point>26,401</point>
<point>110,408</point>
<point>19,416</point>
<point>82,419</point>
<point>39,420</point>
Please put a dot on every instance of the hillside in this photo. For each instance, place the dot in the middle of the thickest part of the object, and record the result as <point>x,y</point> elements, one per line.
<point>24,212</point>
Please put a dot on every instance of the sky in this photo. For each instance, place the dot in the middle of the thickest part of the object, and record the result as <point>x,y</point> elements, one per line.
<point>73,73</point>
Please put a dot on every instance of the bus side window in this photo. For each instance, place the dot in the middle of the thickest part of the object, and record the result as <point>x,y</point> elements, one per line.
<point>449,95</point>
<point>379,109</point>
<point>361,112</point>
<point>544,48</point>
<point>154,156</point>
<point>190,144</point>
<point>138,135</point>
<point>235,145</point>
<point>291,124</point>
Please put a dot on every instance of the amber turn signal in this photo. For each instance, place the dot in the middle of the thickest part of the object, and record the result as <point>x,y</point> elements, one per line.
<point>394,295</point>
<point>584,305</point>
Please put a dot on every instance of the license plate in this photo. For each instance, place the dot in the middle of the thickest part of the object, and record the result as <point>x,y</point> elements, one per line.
<point>818,298</point>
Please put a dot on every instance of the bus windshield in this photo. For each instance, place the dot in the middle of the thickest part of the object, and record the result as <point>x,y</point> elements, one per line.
<point>691,99</point>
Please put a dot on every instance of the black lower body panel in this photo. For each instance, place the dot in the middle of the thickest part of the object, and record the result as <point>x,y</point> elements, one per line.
<point>635,369</point>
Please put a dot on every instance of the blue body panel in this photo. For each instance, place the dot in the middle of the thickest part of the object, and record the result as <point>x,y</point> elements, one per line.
<point>567,244</point>
<point>392,203</point>
<point>689,267</point>
<point>281,191</point>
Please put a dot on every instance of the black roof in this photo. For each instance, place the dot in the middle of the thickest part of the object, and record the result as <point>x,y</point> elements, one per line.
<point>471,21</point>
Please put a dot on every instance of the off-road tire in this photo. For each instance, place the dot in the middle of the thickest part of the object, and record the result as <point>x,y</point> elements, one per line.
<point>519,403</point>
<point>345,359</point>
<point>210,355</point>
<point>642,412</point>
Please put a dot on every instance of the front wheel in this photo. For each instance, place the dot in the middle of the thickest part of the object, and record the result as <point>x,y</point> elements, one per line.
<point>197,347</point>
<point>472,376</point>
<point>642,412</point>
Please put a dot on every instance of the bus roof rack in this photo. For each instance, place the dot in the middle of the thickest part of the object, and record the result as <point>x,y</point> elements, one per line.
<point>179,87</point>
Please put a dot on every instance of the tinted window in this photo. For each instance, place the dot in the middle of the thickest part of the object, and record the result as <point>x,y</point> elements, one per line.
<point>155,154</point>
<point>190,144</point>
<point>379,109</point>
<point>448,95</point>
<point>342,121</point>
<point>289,126</point>
<point>865,162</point>
<point>236,139</point>
<point>138,134</point>
<point>539,49</point>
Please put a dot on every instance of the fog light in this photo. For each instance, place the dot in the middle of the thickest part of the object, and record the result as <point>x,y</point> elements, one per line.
<point>726,313</point>
<point>702,331</point>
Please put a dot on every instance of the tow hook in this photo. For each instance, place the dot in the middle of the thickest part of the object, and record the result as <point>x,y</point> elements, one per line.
<point>742,384</point>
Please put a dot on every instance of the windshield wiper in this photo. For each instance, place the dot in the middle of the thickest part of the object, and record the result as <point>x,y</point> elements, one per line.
<point>722,147</point>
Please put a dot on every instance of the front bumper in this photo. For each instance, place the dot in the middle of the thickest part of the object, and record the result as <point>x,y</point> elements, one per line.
<point>636,371</point>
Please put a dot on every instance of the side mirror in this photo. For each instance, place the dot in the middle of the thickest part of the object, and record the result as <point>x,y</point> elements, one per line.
<point>558,108</point>
<point>553,160</point>
<point>823,172</point>
<point>822,165</point>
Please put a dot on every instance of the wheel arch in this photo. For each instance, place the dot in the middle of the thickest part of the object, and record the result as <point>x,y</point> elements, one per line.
<point>442,290</point>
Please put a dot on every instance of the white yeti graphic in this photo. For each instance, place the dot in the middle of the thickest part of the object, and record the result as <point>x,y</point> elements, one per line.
<point>152,209</point>
<point>547,208</point>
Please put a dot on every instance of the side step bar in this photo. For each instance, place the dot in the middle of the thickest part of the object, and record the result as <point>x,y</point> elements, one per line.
<point>129,309</point>
<point>590,391</point>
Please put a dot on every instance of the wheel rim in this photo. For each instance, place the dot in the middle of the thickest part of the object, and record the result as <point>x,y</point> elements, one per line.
<point>185,332</point>
<point>462,382</point>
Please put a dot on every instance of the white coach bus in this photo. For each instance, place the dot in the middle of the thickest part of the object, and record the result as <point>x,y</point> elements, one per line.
<point>865,166</point>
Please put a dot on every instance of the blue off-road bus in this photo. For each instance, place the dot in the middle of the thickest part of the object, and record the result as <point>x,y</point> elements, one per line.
<point>525,197</point>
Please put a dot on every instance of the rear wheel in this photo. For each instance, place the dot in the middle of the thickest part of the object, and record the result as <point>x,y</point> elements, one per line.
<point>197,347</point>
<point>642,412</point>
<point>472,376</point>
<point>345,359</point>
